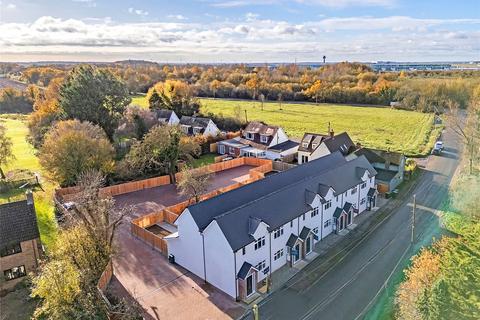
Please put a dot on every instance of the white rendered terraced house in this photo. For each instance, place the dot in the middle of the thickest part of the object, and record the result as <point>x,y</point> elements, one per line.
<point>236,240</point>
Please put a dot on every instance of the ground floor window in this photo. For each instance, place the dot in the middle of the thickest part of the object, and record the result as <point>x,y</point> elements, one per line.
<point>14,273</point>
<point>260,266</point>
<point>327,223</point>
<point>278,255</point>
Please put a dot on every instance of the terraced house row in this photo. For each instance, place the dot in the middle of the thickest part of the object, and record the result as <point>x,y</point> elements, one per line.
<point>235,241</point>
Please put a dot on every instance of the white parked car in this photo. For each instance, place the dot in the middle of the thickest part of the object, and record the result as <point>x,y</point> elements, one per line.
<point>437,149</point>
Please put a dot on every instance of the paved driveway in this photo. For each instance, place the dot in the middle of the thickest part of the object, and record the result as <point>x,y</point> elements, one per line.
<point>166,291</point>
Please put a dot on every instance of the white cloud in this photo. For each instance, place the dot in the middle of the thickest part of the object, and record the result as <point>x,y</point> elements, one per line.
<point>177,17</point>
<point>138,12</point>
<point>346,3</point>
<point>251,16</point>
<point>11,6</point>
<point>88,3</point>
<point>249,40</point>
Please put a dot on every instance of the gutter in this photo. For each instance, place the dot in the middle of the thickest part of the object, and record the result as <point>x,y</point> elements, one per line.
<point>204,262</point>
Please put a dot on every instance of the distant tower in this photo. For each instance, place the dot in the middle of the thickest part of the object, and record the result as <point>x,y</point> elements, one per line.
<point>324,58</point>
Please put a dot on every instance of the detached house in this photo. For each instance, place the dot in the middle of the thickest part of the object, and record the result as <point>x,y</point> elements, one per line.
<point>259,140</point>
<point>198,126</point>
<point>20,246</point>
<point>314,145</point>
<point>390,167</point>
<point>238,239</point>
<point>167,117</point>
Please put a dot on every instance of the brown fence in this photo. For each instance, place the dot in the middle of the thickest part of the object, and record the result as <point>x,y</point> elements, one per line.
<point>105,277</point>
<point>170,214</point>
<point>282,166</point>
<point>68,194</point>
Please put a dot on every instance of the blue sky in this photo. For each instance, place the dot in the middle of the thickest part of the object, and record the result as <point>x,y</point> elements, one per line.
<point>239,30</point>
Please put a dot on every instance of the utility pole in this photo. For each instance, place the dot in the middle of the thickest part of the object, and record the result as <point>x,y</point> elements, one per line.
<point>413,218</point>
<point>246,118</point>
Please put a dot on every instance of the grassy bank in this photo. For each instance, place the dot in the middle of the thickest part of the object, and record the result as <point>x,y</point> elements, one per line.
<point>409,132</point>
<point>26,159</point>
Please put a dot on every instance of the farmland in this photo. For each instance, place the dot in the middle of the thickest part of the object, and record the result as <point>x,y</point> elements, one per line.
<point>396,130</point>
<point>26,159</point>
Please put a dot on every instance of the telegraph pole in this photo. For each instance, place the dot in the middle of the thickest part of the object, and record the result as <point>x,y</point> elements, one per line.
<point>246,118</point>
<point>413,218</point>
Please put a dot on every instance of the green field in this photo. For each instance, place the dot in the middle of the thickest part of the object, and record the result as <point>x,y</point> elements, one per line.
<point>376,127</point>
<point>26,159</point>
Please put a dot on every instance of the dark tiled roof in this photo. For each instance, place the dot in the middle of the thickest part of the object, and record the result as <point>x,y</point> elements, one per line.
<point>337,212</point>
<point>276,199</point>
<point>341,142</point>
<point>380,156</point>
<point>163,113</point>
<point>291,240</point>
<point>371,192</point>
<point>347,206</point>
<point>304,233</point>
<point>311,139</point>
<point>244,270</point>
<point>385,175</point>
<point>195,121</point>
<point>260,128</point>
<point>287,145</point>
<point>18,222</point>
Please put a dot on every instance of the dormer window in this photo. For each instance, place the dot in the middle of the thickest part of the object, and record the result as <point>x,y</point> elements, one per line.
<point>314,145</point>
<point>249,136</point>
<point>263,139</point>
<point>305,144</point>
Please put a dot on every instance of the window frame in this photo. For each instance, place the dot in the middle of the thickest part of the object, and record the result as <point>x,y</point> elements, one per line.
<point>278,232</point>
<point>11,249</point>
<point>277,255</point>
<point>250,136</point>
<point>314,212</point>
<point>327,223</point>
<point>15,275</point>
<point>327,205</point>
<point>261,265</point>
<point>259,243</point>
<point>263,138</point>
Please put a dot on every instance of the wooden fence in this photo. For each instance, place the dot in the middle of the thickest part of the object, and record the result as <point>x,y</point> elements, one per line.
<point>68,194</point>
<point>282,166</point>
<point>170,214</point>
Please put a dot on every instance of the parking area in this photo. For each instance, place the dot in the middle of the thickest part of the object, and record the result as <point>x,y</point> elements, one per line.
<point>167,291</point>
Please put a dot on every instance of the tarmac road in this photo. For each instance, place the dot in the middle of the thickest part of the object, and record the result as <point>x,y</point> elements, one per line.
<point>348,288</point>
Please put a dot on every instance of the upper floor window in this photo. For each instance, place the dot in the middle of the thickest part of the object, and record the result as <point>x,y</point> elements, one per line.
<point>277,232</point>
<point>305,144</point>
<point>291,224</point>
<point>314,145</point>
<point>278,254</point>
<point>336,198</point>
<point>250,136</point>
<point>314,212</point>
<point>303,216</point>
<point>243,250</point>
<point>260,243</point>
<point>263,139</point>
<point>184,128</point>
<point>315,230</point>
<point>10,249</point>
<point>260,266</point>
<point>362,201</point>
<point>327,205</point>
<point>354,190</point>
<point>14,273</point>
<point>364,185</point>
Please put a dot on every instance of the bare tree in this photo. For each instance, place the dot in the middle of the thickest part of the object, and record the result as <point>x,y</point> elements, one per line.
<point>193,182</point>
<point>262,99</point>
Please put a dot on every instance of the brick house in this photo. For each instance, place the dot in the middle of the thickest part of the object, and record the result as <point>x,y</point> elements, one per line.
<point>20,246</point>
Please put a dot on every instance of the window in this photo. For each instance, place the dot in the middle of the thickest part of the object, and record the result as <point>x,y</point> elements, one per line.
<point>291,224</point>
<point>315,230</point>
<point>336,198</point>
<point>263,139</point>
<point>260,243</point>
<point>353,191</point>
<point>250,136</point>
<point>328,204</point>
<point>305,144</point>
<point>231,150</point>
<point>184,128</point>
<point>244,250</point>
<point>304,159</point>
<point>364,185</point>
<point>14,273</point>
<point>260,266</point>
<point>197,130</point>
<point>362,201</point>
<point>11,249</point>
<point>277,232</point>
<point>314,212</point>
<point>278,255</point>
<point>370,180</point>
<point>327,223</point>
<point>314,145</point>
<point>303,216</point>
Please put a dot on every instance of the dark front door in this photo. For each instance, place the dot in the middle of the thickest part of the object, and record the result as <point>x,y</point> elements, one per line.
<point>249,285</point>
<point>349,218</point>
<point>308,246</point>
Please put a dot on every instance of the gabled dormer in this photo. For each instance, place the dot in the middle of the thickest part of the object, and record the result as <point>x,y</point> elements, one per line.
<point>257,228</point>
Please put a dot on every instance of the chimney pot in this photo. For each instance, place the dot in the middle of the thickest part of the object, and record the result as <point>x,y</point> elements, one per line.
<point>29,196</point>
<point>332,134</point>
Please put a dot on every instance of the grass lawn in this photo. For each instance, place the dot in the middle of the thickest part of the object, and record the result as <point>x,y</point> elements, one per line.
<point>204,160</point>
<point>26,159</point>
<point>383,128</point>
<point>409,132</point>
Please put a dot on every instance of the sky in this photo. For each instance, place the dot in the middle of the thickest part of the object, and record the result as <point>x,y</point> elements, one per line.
<point>221,31</point>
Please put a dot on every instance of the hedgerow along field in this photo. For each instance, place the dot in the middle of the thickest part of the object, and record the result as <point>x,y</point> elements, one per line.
<point>26,159</point>
<point>412,133</point>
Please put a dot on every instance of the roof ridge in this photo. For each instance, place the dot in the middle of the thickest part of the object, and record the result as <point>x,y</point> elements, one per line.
<point>231,211</point>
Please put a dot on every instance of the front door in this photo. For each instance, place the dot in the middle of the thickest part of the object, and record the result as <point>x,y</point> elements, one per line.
<point>296,257</point>
<point>249,285</point>
<point>308,245</point>
<point>221,149</point>
<point>349,218</point>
